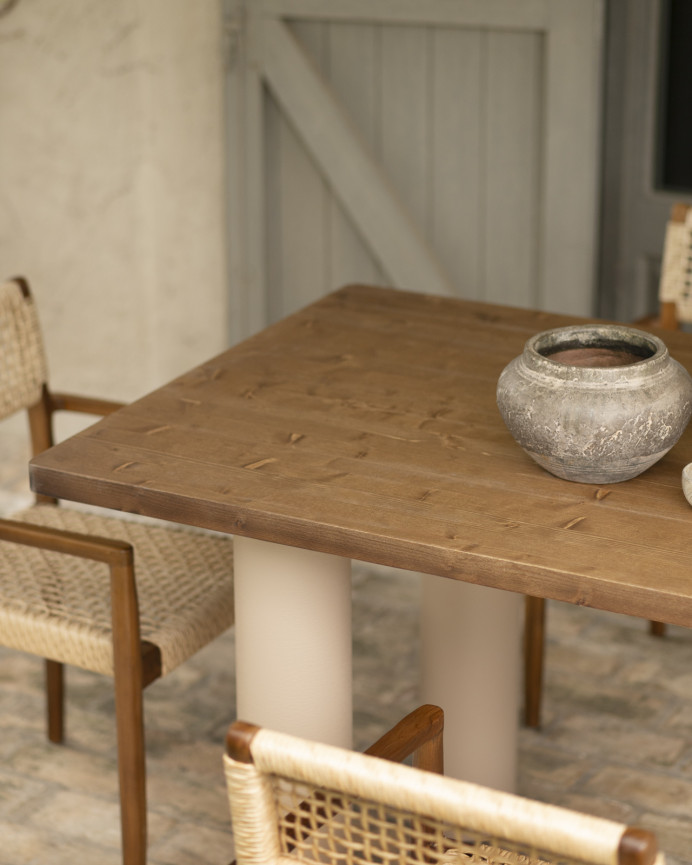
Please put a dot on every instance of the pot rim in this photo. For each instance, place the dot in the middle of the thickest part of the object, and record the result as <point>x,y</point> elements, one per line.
<point>595,335</point>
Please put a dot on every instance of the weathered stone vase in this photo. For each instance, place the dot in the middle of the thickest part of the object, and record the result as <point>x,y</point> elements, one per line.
<point>595,403</point>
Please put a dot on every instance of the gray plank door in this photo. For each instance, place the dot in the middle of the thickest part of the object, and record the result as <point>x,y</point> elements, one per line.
<point>445,147</point>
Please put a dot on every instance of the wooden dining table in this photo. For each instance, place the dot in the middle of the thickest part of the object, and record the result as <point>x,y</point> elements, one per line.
<point>365,427</point>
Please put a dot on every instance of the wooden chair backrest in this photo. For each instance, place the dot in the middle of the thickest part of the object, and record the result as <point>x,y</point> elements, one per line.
<point>316,803</point>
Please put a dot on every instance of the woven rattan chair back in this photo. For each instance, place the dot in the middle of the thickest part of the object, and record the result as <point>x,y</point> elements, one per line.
<point>675,287</point>
<point>293,800</point>
<point>23,370</point>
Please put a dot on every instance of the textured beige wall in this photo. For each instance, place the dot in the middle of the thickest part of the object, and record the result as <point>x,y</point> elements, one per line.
<point>112,184</point>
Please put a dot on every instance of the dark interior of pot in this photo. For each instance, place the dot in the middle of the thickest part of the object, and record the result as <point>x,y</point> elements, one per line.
<point>604,353</point>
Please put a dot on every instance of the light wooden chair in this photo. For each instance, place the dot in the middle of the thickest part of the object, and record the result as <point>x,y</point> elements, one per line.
<point>297,801</point>
<point>675,290</point>
<point>69,589</point>
<point>675,310</point>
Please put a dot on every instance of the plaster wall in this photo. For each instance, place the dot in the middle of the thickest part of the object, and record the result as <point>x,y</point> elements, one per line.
<point>112,187</point>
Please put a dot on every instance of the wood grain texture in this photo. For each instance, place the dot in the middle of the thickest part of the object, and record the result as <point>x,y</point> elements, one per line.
<point>366,426</point>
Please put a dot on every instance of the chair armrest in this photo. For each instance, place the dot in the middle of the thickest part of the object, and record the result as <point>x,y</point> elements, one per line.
<point>419,728</point>
<point>419,733</point>
<point>139,660</point>
<point>83,404</point>
<point>106,550</point>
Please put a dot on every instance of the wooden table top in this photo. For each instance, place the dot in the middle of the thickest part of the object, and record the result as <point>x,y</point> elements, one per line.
<point>366,425</point>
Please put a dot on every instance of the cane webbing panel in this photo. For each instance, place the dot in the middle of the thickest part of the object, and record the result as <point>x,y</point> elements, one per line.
<point>58,606</point>
<point>345,808</point>
<point>23,369</point>
<point>347,829</point>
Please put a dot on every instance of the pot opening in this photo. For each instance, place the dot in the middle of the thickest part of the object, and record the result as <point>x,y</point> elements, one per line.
<point>603,353</point>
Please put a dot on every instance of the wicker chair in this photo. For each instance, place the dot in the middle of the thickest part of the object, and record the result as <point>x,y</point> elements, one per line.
<point>675,309</point>
<point>68,588</point>
<point>297,801</point>
<point>675,288</point>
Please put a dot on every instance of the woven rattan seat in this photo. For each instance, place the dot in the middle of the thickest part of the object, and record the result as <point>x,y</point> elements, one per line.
<point>58,606</point>
<point>296,801</point>
<point>118,596</point>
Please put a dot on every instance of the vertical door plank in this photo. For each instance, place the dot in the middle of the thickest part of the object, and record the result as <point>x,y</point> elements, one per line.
<point>301,235</point>
<point>247,224</point>
<point>513,192</point>
<point>357,86</point>
<point>404,116</point>
<point>458,156</point>
<point>273,288</point>
<point>236,209</point>
<point>571,155</point>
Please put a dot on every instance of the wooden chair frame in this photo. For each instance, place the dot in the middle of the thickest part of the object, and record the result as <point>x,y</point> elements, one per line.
<point>535,609</point>
<point>277,759</point>
<point>136,665</point>
<point>419,735</point>
<point>136,662</point>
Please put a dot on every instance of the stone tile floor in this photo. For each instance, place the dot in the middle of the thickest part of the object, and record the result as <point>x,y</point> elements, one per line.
<point>616,738</point>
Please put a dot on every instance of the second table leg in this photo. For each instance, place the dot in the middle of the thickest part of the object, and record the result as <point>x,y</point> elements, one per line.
<point>293,640</point>
<point>471,650</point>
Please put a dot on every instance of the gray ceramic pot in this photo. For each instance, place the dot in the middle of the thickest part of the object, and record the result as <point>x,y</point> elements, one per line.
<point>595,403</point>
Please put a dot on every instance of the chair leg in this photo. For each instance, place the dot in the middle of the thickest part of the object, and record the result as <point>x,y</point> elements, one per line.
<point>534,651</point>
<point>657,629</point>
<point>534,639</point>
<point>55,702</point>
<point>132,772</point>
<point>129,709</point>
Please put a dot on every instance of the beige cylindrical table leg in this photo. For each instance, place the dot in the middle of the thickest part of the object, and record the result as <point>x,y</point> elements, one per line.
<point>470,653</point>
<point>293,640</point>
